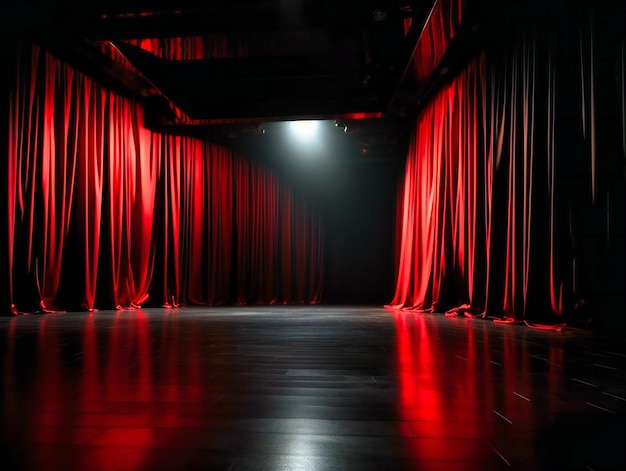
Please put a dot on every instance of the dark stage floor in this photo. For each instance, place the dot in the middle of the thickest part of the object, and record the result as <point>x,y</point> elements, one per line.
<point>304,388</point>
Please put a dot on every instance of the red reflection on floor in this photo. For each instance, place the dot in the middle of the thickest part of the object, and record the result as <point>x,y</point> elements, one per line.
<point>420,391</point>
<point>111,391</point>
<point>441,396</point>
<point>49,392</point>
<point>10,403</point>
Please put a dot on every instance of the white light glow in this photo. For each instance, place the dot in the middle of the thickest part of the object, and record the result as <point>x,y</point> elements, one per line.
<point>304,130</point>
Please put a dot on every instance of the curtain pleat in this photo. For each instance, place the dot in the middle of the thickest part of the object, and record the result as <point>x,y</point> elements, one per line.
<point>90,184</point>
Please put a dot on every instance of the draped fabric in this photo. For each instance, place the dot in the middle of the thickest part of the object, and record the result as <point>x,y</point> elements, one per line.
<point>192,47</point>
<point>243,44</point>
<point>511,200</point>
<point>198,229</point>
<point>263,277</point>
<point>101,210</point>
<point>445,19</point>
<point>49,127</point>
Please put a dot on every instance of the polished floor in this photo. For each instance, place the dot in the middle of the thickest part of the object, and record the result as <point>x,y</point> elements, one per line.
<point>312,388</point>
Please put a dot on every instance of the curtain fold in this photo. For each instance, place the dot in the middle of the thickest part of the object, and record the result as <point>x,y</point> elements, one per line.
<point>133,163</point>
<point>506,197</point>
<point>90,184</point>
<point>96,202</point>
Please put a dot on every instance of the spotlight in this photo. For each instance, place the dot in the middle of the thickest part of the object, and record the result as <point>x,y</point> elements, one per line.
<point>304,130</point>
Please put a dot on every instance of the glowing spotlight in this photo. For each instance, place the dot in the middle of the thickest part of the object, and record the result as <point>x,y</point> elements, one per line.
<point>305,130</point>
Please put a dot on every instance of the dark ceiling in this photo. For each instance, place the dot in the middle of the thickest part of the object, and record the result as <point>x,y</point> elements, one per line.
<point>348,60</point>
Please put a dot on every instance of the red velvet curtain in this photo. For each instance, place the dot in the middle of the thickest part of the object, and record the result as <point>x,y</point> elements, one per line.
<point>52,122</point>
<point>445,19</point>
<point>221,46</point>
<point>193,47</point>
<point>286,246</point>
<point>511,199</point>
<point>89,185</point>
<point>103,211</point>
<point>198,228</point>
<point>439,220</point>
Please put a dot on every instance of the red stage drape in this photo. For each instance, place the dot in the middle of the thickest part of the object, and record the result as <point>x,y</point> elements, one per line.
<point>104,211</point>
<point>223,46</point>
<point>51,124</point>
<point>511,201</point>
<point>444,21</point>
<point>193,47</point>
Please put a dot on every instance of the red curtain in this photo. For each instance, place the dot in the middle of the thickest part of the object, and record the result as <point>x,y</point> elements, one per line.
<point>223,46</point>
<point>511,201</point>
<point>193,47</point>
<point>104,211</point>
<point>440,198</point>
<point>278,244</point>
<point>89,184</point>
<point>51,124</point>
<point>444,21</point>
